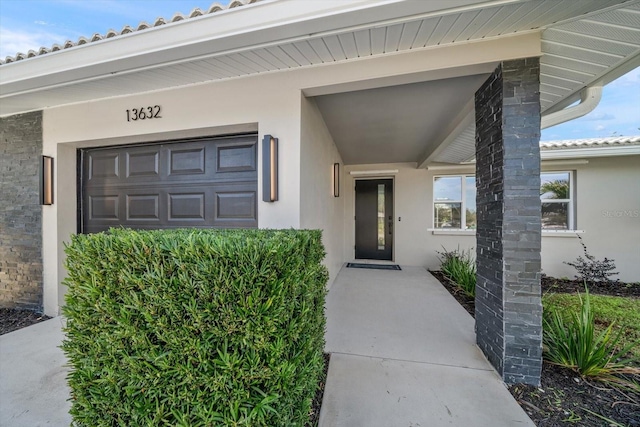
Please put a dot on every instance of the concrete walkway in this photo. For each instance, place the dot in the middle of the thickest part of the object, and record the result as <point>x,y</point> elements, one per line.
<point>33,387</point>
<point>403,353</point>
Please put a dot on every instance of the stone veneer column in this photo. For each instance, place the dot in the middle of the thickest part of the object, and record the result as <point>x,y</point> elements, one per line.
<point>20,211</point>
<point>508,294</point>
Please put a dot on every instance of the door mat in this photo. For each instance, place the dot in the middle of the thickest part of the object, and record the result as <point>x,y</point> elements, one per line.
<point>374,266</point>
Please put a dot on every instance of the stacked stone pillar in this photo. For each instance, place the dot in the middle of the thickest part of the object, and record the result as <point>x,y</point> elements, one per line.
<point>20,211</point>
<point>508,294</point>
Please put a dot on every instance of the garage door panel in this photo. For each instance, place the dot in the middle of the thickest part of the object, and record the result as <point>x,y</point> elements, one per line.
<point>143,207</point>
<point>204,183</point>
<point>188,206</point>
<point>236,158</point>
<point>186,161</point>
<point>104,207</point>
<point>143,164</point>
<point>235,205</point>
<point>103,166</point>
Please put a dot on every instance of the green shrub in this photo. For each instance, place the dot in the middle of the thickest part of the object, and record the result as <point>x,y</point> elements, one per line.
<point>460,267</point>
<point>575,344</point>
<point>194,327</point>
<point>591,269</point>
<point>621,312</point>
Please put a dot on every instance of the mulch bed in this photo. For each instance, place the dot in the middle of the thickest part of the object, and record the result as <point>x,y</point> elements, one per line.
<point>12,319</point>
<point>314,416</point>
<point>617,289</point>
<point>564,398</point>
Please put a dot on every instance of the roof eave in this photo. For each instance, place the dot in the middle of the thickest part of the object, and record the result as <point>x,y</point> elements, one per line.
<point>207,36</point>
<point>576,153</point>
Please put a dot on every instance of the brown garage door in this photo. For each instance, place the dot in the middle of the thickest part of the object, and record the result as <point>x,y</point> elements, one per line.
<point>197,183</point>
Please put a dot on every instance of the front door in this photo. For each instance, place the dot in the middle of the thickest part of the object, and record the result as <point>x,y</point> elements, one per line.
<point>374,219</point>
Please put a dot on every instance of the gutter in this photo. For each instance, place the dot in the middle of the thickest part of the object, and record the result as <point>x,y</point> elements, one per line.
<point>589,99</point>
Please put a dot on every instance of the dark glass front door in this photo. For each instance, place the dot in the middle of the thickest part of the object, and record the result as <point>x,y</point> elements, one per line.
<point>374,219</point>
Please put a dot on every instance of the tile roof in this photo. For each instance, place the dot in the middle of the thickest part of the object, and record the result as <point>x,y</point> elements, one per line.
<point>215,7</point>
<point>614,141</point>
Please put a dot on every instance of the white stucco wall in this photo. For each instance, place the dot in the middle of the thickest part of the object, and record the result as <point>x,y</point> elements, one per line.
<point>608,210</point>
<point>607,206</point>
<point>242,105</point>
<point>319,209</point>
<point>269,103</point>
<point>413,243</point>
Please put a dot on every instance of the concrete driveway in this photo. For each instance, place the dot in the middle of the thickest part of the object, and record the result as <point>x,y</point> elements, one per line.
<point>33,389</point>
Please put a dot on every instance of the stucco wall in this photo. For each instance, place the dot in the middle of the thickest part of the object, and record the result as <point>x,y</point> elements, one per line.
<point>318,207</point>
<point>269,103</point>
<point>608,210</point>
<point>236,106</point>
<point>607,206</point>
<point>20,211</point>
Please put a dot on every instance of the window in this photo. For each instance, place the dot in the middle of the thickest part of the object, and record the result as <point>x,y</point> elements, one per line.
<point>454,202</point>
<point>556,195</point>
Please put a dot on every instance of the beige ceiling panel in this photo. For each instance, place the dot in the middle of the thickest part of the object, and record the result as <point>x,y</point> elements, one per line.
<point>409,33</point>
<point>308,52</point>
<point>573,64</point>
<point>378,40</point>
<point>441,29</point>
<point>335,47</point>
<point>589,42</point>
<point>348,45</point>
<point>363,42</point>
<point>392,38</point>
<point>321,50</point>
<point>581,54</point>
<point>282,56</point>
<point>291,50</point>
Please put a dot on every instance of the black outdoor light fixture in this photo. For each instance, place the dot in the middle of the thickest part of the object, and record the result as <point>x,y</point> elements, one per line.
<point>336,180</point>
<point>269,168</point>
<point>46,180</point>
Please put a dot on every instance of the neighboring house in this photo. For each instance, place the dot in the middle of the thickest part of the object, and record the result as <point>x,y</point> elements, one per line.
<point>377,107</point>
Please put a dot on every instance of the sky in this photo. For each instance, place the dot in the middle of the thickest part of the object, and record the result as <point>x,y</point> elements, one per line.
<point>30,24</point>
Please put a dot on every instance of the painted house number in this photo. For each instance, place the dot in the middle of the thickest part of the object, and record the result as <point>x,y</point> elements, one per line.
<point>144,113</point>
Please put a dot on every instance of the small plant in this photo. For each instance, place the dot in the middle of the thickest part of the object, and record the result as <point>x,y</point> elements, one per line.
<point>575,345</point>
<point>591,269</point>
<point>460,267</point>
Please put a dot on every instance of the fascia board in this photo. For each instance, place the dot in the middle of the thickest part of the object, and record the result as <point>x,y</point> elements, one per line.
<point>259,24</point>
<point>564,153</point>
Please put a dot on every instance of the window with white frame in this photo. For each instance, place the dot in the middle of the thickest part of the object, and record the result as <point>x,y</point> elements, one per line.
<point>454,202</point>
<point>556,196</point>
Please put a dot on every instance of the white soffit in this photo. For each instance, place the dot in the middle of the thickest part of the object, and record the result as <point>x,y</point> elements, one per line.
<point>576,54</point>
<point>305,34</point>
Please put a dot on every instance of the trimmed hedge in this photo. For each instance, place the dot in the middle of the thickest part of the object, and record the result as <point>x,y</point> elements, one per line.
<point>194,327</point>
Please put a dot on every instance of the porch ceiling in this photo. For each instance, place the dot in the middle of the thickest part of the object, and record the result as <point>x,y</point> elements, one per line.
<point>582,42</point>
<point>391,124</point>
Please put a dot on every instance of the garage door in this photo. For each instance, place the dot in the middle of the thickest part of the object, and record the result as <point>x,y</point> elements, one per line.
<point>197,183</point>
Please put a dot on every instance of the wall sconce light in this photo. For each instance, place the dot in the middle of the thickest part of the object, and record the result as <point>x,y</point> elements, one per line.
<point>46,180</point>
<point>269,168</point>
<point>336,180</point>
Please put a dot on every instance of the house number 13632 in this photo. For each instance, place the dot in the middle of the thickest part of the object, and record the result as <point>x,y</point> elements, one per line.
<point>144,113</point>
